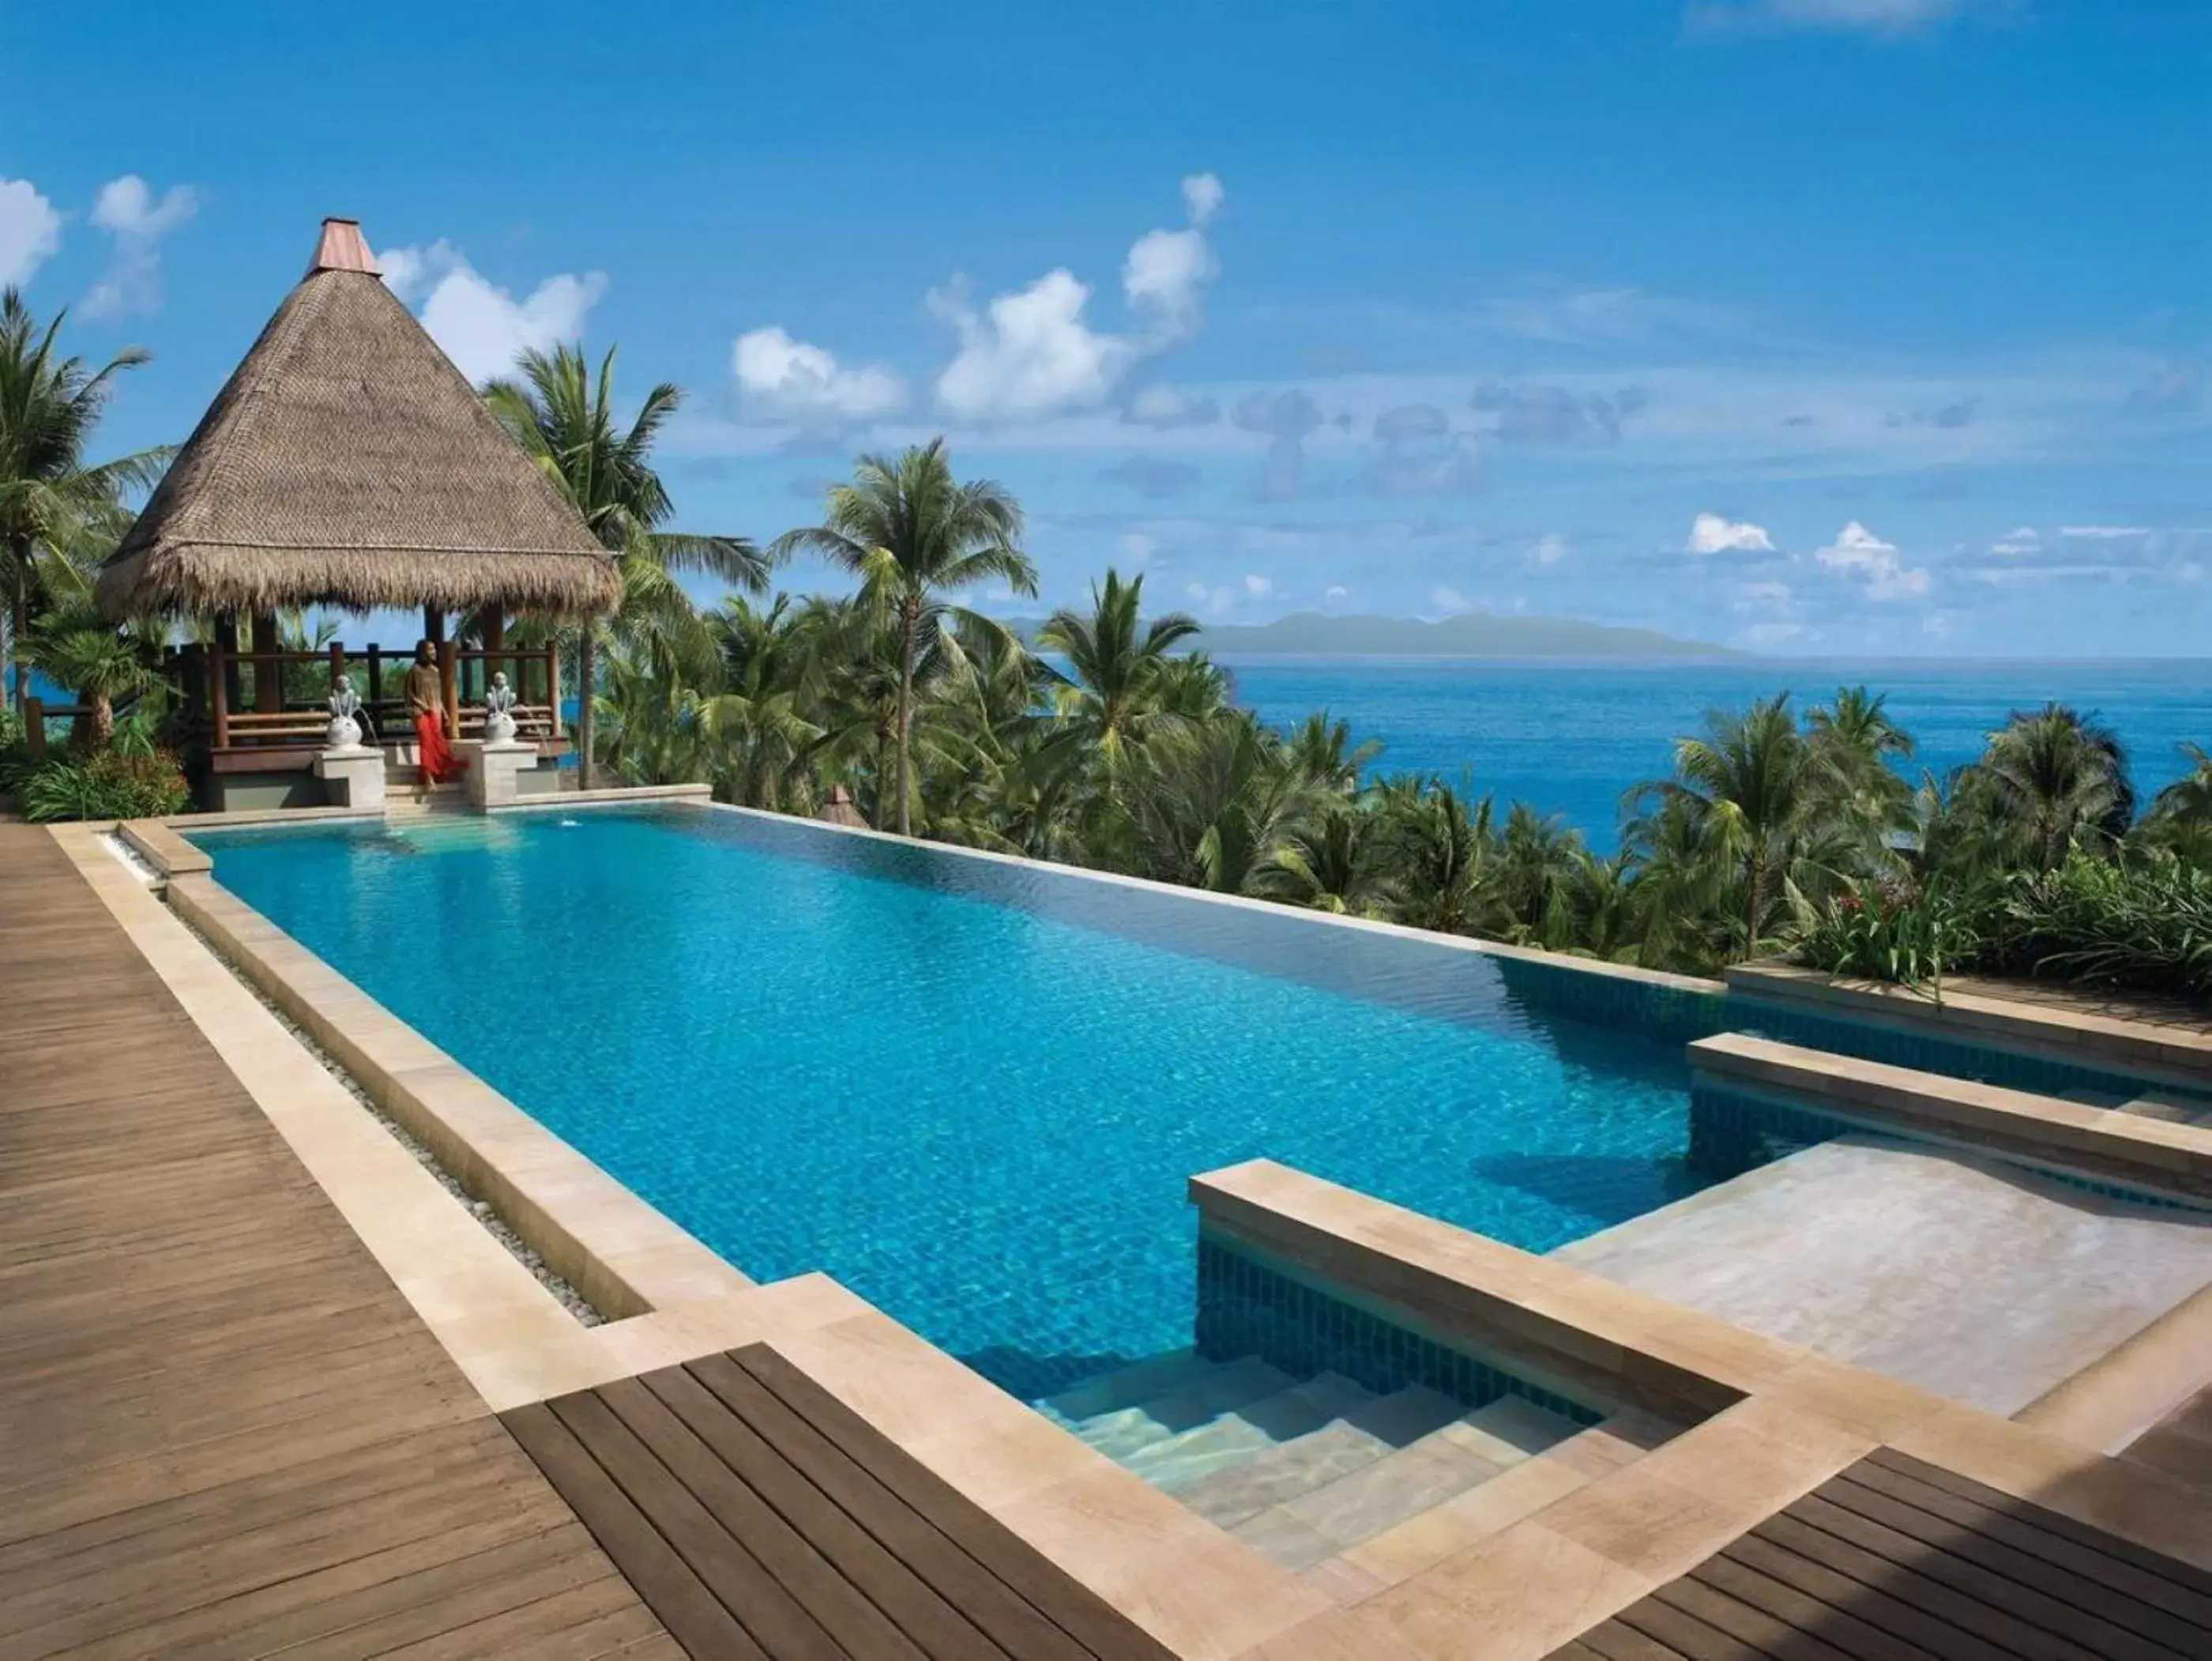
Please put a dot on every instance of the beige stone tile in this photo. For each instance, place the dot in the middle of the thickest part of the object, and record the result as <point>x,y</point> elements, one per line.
<point>1864,1402</point>
<point>1423,1542</point>
<point>1517,1597</point>
<point>1097,1522</point>
<point>1209,1602</point>
<point>1005,1452</point>
<point>1335,1635</point>
<point>1341,1581</point>
<point>890,1378</point>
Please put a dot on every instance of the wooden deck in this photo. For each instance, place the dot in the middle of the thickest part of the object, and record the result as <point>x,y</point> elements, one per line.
<point>762,1518</point>
<point>1898,1560</point>
<point>222,1430</point>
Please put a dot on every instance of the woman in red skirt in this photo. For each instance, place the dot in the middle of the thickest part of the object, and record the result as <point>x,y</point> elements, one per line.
<point>426,706</point>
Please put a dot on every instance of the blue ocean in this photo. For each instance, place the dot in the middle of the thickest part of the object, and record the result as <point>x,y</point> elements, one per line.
<point>1569,736</point>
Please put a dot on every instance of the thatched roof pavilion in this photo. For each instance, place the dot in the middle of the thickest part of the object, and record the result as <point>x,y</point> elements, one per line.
<point>347,463</point>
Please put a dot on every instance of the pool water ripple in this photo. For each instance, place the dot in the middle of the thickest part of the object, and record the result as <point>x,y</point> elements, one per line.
<point>972,1091</point>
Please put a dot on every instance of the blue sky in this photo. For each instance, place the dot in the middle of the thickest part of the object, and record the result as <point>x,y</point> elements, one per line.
<point>1864,327</point>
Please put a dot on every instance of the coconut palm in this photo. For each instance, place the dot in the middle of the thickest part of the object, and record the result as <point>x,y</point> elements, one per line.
<point>1337,862</point>
<point>1323,751</point>
<point>1212,806</point>
<point>50,496</point>
<point>2052,780</point>
<point>912,532</point>
<point>1440,853</point>
<point>563,416</point>
<point>771,677</point>
<point>1747,792</point>
<point>1107,701</point>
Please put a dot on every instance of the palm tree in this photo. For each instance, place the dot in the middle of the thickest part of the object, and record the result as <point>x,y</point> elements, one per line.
<point>1335,862</point>
<point>78,649</point>
<point>1213,805</point>
<point>1322,750</point>
<point>770,680</point>
<point>564,419</point>
<point>2053,778</point>
<point>910,532</point>
<point>49,496</point>
<point>1440,852</point>
<point>1745,791</point>
<point>1106,702</point>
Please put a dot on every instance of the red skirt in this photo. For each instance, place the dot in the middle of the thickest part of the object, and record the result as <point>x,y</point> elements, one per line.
<point>439,763</point>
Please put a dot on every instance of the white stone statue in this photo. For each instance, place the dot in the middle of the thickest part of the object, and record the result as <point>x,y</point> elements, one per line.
<point>499,710</point>
<point>347,716</point>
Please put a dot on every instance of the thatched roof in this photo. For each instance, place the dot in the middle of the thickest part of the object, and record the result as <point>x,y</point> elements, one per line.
<point>349,463</point>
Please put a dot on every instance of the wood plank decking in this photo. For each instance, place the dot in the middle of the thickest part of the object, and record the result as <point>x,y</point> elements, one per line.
<point>762,1517</point>
<point>1899,1560</point>
<point>222,1430</point>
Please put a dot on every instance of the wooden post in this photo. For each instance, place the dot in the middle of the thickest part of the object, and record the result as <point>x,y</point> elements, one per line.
<point>376,696</point>
<point>221,686</point>
<point>337,664</point>
<point>35,724</point>
<point>553,687</point>
<point>226,646</point>
<point>268,669</point>
<point>494,642</point>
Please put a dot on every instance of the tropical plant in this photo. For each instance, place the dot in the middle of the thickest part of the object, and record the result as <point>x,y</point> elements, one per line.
<point>104,785</point>
<point>2052,780</point>
<point>1335,861</point>
<point>1108,700</point>
<point>99,663</point>
<point>913,533</point>
<point>51,498</point>
<point>564,418</point>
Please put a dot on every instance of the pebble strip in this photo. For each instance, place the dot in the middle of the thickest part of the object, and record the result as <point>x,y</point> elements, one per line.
<point>571,1299</point>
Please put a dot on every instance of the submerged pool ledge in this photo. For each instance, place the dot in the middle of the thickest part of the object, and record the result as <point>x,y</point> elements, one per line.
<point>1810,1094</point>
<point>624,1256</point>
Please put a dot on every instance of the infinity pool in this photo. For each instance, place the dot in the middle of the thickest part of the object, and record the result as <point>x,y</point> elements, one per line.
<point>970,1090</point>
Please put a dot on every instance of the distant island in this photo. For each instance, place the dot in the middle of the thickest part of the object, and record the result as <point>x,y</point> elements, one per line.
<point>1471,635</point>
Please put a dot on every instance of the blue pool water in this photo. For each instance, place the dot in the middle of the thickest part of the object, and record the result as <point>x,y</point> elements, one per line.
<point>970,1091</point>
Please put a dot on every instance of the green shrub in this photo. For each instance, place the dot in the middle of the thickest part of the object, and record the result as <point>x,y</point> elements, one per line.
<point>2142,922</point>
<point>107,786</point>
<point>1912,936</point>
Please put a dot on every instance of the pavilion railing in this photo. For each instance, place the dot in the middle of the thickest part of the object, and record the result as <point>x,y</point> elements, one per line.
<point>267,699</point>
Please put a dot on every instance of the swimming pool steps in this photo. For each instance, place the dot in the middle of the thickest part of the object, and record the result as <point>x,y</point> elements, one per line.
<point>1320,1474</point>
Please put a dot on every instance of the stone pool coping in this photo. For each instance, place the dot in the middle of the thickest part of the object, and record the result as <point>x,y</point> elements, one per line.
<point>2108,1145</point>
<point>1627,974</point>
<point>2157,1052</point>
<point>1767,1421</point>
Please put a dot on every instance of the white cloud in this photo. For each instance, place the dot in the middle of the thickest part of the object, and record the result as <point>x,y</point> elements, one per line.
<point>2103,532</point>
<point>30,230</point>
<point>1858,552</point>
<point>1137,547</point>
<point>128,211</point>
<point>1448,599</point>
<point>1551,548</point>
<point>477,324</point>
<point>2021,540</point>
<point>1202,197</point>
<point>1258,586</point>
<point>1711,534</point>
<point>1886,17</point>
<point>782,377</point>
<point>1337,595</point>
<point>1169,406</point>
<point>1033,353</point>
<point>1216,600</point>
